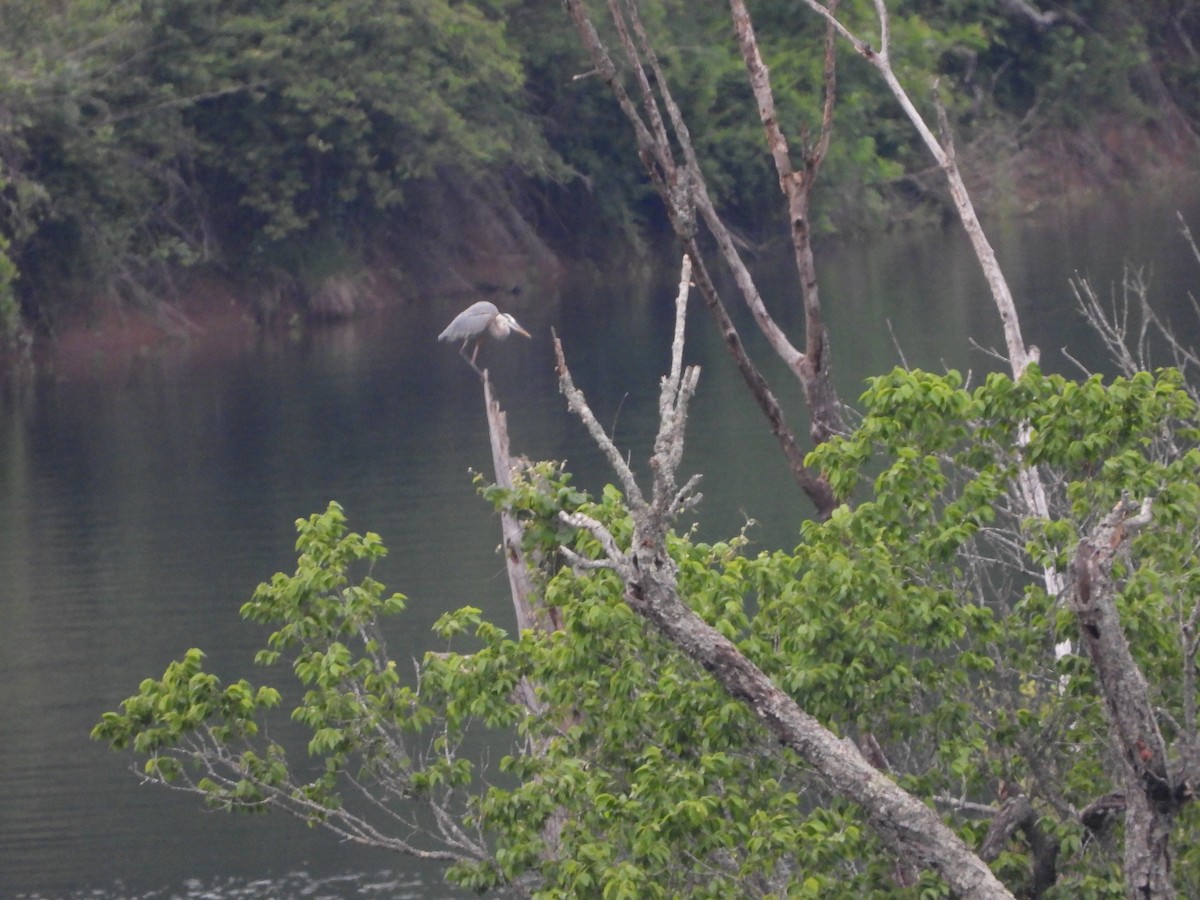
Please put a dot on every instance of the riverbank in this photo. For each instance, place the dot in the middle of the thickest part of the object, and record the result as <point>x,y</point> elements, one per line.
<point>1008,177</point>
<point>476,244</point>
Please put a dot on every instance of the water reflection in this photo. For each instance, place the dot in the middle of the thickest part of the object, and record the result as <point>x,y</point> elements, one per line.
<point>142,504</point>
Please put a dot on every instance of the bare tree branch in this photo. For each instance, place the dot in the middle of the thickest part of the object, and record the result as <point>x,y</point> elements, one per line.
<point>880,59</point>
<point>682,188</point>
<point>812,367</point>
<point>910,828</point>
<point>1024,10</point>
<point>529,613</point>
<point>578,405</point>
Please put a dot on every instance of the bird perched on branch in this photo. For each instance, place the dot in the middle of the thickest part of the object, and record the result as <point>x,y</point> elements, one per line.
<point>476,320</point>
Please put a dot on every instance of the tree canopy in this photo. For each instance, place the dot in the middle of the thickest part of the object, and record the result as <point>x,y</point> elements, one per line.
<point>913,620</point>
<point>140,138</point>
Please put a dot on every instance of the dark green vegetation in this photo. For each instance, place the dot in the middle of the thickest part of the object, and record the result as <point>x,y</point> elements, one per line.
<point>914,622</point>
<point>143,138</point>
<point>975,673</point>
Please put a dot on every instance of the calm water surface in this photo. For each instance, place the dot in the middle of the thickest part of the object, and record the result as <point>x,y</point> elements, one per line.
<point>141,504</point>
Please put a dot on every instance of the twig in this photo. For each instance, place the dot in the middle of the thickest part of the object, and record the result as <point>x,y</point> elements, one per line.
<point>577,404</point>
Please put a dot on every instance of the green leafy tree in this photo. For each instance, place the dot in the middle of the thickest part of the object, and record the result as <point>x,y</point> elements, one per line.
<point>322,110</point>
<point>912,623</point>
<point>144,137</point>
<point>11,326</point>
<point>698,721</point>
<point>85,149</point>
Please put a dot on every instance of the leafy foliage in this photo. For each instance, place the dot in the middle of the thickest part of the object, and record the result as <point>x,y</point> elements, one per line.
<point>10,310</point>
<point>359,712</point>
<point>142,137</point>
<point>916,617</point>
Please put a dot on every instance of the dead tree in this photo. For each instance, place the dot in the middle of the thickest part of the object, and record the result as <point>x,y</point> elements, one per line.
<point>910,828</point>
<point>659,128</point>
<point>529,611</point>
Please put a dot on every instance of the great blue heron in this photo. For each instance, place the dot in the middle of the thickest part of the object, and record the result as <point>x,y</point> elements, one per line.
<point>470,325</point>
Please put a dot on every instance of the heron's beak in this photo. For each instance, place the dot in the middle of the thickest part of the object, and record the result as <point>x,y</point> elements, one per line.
<point>519,330</point>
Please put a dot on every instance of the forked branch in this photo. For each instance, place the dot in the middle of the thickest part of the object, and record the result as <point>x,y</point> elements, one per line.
<point>666,150</point>
<point>908,826</point>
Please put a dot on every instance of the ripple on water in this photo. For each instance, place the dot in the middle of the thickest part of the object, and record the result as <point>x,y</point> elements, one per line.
<point>292,885</point>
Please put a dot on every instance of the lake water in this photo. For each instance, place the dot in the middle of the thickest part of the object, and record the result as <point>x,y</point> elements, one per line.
<point>142,502</point>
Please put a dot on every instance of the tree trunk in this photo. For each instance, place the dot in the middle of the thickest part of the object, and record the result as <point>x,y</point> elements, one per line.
<point>812,367</point>
<point>530,613</point>
<point>1152,793</point>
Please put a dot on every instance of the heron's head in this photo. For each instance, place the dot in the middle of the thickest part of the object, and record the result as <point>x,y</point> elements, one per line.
<point>503,324</point>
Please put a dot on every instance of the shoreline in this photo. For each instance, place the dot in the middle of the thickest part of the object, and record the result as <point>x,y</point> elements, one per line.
<point>214,316</point>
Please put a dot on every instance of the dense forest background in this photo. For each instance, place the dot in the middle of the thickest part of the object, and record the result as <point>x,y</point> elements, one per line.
<point>289,146</point>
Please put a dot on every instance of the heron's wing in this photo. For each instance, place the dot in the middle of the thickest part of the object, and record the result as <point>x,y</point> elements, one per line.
<point>471,322</point>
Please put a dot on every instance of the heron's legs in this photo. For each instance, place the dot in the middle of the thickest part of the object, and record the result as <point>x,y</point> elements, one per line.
<point>471,359</point>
